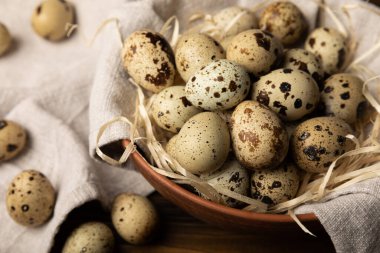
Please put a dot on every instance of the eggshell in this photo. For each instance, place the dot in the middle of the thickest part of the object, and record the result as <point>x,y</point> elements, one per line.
<point>317,142</point>
<point>12,139</point>
<point>342,97</point>
<point>285,21</point>
<point>30,198</point>
<point>329,46</point>
<point>90,237</point>
<point>304,60</point>
<point>290,93</point>
<point>259,138</point>
<point>219,86</point>
<point>225,42</point>
<point>5,39</point>
<point>194,51</point>
<point>224,18</point>
<point>171,109</point>
<point>149,60</point>
<point>171,146</point>
<point>231,176</point>
<point>277,185</point>
<point>203,143</point>
<point>49,19</point>
<point>257,51</point>
<point>134,218</point>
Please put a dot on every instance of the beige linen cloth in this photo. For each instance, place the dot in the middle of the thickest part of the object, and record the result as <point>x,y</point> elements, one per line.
<point>46,87</point>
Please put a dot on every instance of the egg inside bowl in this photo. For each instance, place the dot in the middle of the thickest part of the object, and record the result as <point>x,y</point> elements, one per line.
<point>217,214</point>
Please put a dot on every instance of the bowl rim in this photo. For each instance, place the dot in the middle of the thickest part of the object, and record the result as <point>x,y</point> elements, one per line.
<point>261,217</point>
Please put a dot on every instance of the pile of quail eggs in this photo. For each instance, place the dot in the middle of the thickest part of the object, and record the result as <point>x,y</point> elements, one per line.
<point>256,111</point>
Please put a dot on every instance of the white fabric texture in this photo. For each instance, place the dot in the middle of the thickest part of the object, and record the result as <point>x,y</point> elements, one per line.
<point>46,88</point>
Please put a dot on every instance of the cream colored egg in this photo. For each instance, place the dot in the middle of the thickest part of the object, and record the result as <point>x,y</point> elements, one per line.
<point>259,138</point>
<point>30,198</point>
<point>329,46</point>
<point>304,60</point>
<point>171,109</point>
<point>285,21</point>
<point>233,20</point>
<point>90,237</point>
<point>12,139</point>
<point>291,93</point>
<point>257,51</point>
<point>317,142</point>
<point>5,39</point>
<point>134,218</point>
<point>203,143</point>
<point>221,85</point>
<point>50,18</point>
<point>277,185</point>
<point>233,177</point>
<point>342,97</point>
<point>149,60</point>
<point>194,51</point>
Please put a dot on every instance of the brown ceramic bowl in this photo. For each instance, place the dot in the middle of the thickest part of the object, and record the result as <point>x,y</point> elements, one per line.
<point>220,215</point>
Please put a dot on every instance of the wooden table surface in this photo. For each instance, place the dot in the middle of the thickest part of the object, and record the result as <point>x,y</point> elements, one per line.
<point>179,232</point>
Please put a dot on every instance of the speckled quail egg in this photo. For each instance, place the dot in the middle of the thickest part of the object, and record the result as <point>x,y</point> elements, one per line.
<point>231,176</point>
<point>49,19</point>
<point>259,138</point>
<point>221,85</point>
<point>285,21</point>
<point>304,60</point>
<point>291,93</point>
<point>329,46</point>
<point>202,144</point>
<point>149,60</point>
<point>256,50</point>
<point>194,51</point>
<point>342,97</point>
<point>171,109</point>
<point>5,39</point>
<point>317,142</point>
<point>90,237</point>
<point>134,218</point>
<point>12,139</point>
<point>276,185</point>
<point>224,18</point>
<point>30,198</point>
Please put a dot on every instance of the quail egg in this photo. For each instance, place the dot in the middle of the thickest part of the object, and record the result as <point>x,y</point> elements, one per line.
<point>259,138</point>
<point>194,51</point>
<point>149,60</point>
<point>256,50</point>
<point>276,185</point>
<point>221,85</point>
<point>231,176</point>
<point>171,109</point>
<point>30,198</point>
<point>304,60</point>
<point>285,21</point>
<point>12,139</point>
<point>317,142</point>
<point>291,93</point>
<point>203,143</point>
<point>329,46</point>
<point>342,97</point>
<point>224,18</point>
<point>134,218</point>
<point>50,18</point>
<point>90,237</point>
